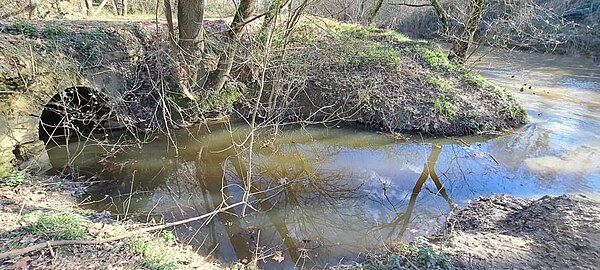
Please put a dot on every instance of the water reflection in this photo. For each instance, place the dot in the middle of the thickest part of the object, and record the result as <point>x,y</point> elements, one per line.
<point>306,206</point>
<point>403,219</point>
<point>321,196</point>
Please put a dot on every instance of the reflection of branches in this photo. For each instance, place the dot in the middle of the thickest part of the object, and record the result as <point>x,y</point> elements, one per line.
<point>428,172</point>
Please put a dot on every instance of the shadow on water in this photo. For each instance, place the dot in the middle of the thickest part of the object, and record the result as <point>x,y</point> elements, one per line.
<point>323,196</point>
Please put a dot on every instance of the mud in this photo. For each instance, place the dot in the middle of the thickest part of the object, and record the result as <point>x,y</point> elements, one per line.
<point>504,232</point>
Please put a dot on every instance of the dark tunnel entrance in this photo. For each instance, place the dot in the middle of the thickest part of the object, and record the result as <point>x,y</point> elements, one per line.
<point>74,113</point>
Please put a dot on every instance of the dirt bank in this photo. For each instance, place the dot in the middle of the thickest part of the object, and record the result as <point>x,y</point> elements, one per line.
<point>381,78</point>
<point>503,232</point>
<point>44,209</point>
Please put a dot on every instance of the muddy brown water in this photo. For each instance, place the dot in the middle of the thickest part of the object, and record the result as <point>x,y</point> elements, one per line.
<point>331,195</point>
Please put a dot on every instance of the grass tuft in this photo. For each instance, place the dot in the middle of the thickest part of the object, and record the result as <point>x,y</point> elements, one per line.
<point>444,107</point>
<point>441,84</point>
<point>57,226</point>
<point>15,178</point>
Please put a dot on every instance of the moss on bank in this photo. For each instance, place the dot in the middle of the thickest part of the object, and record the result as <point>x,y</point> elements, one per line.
<point>385,80</point>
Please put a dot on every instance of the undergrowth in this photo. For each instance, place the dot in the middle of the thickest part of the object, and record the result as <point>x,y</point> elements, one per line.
<point>163,252</point>
<point>15,178</point>
<point>57,226</point>
<point>416,255</point>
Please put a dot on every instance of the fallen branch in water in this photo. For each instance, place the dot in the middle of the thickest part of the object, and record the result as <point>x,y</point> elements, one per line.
<point>22,251</point>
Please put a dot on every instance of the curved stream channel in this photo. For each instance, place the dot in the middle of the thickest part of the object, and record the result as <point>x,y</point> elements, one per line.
<point>334,194</point>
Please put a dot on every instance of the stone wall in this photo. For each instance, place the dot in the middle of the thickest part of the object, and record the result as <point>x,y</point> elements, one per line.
<point>39,59</point>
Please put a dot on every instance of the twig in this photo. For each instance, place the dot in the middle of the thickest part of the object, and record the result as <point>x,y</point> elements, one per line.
<point>22,251</point>
<point>50,248</point>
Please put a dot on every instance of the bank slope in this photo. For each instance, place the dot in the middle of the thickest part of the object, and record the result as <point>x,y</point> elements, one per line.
<point>387,81</point>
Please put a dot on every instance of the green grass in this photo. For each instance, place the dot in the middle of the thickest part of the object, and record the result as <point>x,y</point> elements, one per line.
<point>407,256</point>
<point>513,109</point>
<point>441,84</point>
<point>15,178</point>
<point>341,45</point>
<point>444,107</point>
<point>156,251</point>
<point>56,37</point>
<point>224,100</point>
<point>397,36</point>
<point>57,226</point>
<point>369,53</point>
<point>435,58</point>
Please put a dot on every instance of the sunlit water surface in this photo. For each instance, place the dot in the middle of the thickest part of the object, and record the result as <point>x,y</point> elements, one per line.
<point>330,195</point>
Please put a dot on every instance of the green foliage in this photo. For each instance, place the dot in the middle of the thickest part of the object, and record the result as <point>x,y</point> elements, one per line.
<point>444,107</point>
<point>513,110</point>
<point>369,53</point>
<point>407,256</point>
<point>398,36</point>
<point>178,99</point>
<point>342,46</point>
<point>303,33</point>
<point>156,253</point>
<point>426,257</point>
<point>441,84</point>
<point>15,178</point>
<point>342,31</point>
<point>56,37</point>
<point>167,235</point>
<point>62,226</point>
<point>348,55</point>
<point>435,58</point>
<point>222,101</point>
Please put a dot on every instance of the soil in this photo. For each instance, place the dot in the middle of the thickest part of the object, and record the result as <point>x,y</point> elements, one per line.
<point>56,195</point>
<point>504,232</point>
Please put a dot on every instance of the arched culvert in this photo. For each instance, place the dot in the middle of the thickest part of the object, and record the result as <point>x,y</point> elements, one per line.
<point>76,112</point>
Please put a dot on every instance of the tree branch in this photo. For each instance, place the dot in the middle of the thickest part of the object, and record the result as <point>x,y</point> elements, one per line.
<point>22,251</point>
<point>410,5</point>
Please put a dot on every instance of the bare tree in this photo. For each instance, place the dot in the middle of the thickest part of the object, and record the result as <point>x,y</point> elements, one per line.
<point>194,76</point>
<point>461,45</point>
<point>439,10</point>
<point>89,7</point>
<point>374,11</point>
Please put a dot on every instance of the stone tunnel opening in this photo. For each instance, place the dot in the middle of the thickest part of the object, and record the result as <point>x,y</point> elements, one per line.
<point>74,113</point>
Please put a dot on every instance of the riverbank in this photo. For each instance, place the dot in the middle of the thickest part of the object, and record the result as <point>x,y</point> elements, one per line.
<point>37,209</point>
<point>386,81</point>
<point>504,232</point>
<point>490,233</point>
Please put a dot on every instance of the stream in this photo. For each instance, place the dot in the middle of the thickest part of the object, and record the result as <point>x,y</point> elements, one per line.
<point>331,195</point>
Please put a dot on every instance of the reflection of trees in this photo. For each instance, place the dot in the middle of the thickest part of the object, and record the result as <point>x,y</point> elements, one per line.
<point>287,179</point>
<point>304,199</point>
<point>210,174</point>
<point>305,184</point>
<point>403,220</point>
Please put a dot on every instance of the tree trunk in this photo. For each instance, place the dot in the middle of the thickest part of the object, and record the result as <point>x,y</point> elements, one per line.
<point>461,46</point>
<point>117,7</point>
<point>374,12</point>
<point>102,4</point>
<point>124,9</point>
<point>89,7</point>
<point>32,8</point>
<point>274,10</point>
<point>169,16</point>
<point>442,15</point>
<point>245,10</point>
<point>190,17</point>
